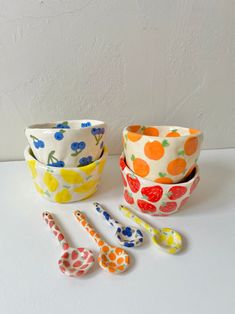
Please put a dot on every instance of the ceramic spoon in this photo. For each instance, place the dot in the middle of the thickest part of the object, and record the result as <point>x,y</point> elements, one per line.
<point>126,236</point>
<point>111,258</point>
<point>73,262</point>
<point>167,239</point>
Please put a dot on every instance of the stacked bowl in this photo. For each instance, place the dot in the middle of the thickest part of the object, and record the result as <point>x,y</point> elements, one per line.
<point>66,159</point>
<point>159,167</point>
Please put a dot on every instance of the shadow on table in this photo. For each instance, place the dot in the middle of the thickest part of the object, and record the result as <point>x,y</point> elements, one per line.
<point>211,193</point>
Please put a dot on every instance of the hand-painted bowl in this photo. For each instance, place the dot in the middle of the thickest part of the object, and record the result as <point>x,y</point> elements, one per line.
<point>156,199</point>
<point>163,154</point>
<point>64,185</point>
<point>72,143</point>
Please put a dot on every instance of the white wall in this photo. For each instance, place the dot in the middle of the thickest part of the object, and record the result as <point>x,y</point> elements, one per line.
<point>122,61</point>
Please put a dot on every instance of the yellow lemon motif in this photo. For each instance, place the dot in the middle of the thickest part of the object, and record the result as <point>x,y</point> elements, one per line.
<point>71,176</point>
<point>101,166</point>
<point>86,186</point>
<point>50,181</point>
<point>32,167</point>
<point>38,188</point>
<point>89,168</point>
<point>63,196</point>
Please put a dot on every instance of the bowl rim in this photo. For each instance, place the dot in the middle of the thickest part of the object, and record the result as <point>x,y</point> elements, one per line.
<point>51,125</point>
<point>149,182</point>
<point>199,132</point>
<point>28,156</point>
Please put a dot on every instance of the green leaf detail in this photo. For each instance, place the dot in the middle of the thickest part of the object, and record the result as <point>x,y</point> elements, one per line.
<point>165,143</point>
<point>132,157</point>
<point>161,174</point>
<point>181,153</point>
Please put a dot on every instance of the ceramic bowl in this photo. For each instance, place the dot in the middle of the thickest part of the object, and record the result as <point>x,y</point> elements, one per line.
<point>156,199</point>
<point>64,185</point>
<point>164,154</point>
<point>72,143</point>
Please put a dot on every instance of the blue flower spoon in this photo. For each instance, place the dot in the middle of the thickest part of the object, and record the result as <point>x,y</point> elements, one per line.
<point>126,236</point>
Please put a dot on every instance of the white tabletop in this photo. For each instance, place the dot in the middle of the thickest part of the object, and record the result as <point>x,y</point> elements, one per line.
<point>199,280</point>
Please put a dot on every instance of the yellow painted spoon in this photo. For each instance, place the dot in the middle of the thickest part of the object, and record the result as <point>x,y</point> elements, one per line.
<point>169,240</point>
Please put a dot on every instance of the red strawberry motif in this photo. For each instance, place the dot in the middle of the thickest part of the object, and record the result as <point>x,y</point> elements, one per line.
<point>66,263</point>
<point>65,246</point>
<point>184,201</point>
<point>128,197</point>
<point>51,224</point>
<point>60,237</point>
<point>168,207</point>
<point>65,255</point>
<point>152,193</point>
<point>77,263</point>
<point>133,182</point>
<point>146,207</point>
<point>176,192</point>
<point>124,180</point>
<point>74,255</point>
<point>122,163</point>
<point>194,185</point>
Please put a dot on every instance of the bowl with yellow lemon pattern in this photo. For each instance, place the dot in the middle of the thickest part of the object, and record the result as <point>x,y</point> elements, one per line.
<point>65,185</point>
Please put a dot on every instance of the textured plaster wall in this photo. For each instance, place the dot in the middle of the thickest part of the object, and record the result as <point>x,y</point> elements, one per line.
<point>122,61</point>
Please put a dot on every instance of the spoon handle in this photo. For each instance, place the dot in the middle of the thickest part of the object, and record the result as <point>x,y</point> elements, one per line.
<point>129,214</point>
<point>114,223</point>
<point>83,221</point>
<point>48,218</point>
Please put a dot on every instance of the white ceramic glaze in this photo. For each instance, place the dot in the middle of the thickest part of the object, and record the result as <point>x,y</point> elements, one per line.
<point>65,185</point>
<point>153,198</point>
<point>164,154</point>
<point>70,143</point>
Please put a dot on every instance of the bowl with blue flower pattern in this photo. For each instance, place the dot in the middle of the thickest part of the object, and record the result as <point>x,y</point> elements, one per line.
<point>73,143</point>
<point>65,185</point>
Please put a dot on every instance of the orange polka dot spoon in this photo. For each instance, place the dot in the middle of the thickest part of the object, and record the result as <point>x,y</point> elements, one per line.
<point>74,262</point>
<point>126,236</point>
<point>112,259</point>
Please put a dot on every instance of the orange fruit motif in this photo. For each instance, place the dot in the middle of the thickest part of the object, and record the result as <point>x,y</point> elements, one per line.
<point>105,249</point>
<point>141,168</point>
<point>133,128</point>
<point>176,166</point>
<point>191,145</point>
<point>173,133</point>
<point>194,131</point>
<point>112,256</point>
<point>133,137</point>
<point>154,150</point>
<point>163,179</point>
<point>151,131</point>
<point>120,260</point>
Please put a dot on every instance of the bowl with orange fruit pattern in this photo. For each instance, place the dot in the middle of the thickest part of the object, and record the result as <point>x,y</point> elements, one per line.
<point>163,154</point>
<point>156,199</point>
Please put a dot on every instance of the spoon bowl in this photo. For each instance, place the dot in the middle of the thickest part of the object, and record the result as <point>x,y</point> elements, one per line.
<point>168,240</point>
<point>76,262</point>
<point>129,236</point>
<point>73,262</point>
<point>113,259</point>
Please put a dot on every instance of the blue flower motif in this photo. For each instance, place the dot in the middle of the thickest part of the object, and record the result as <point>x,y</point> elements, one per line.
<point>38,144</point>
<point>101,145</point>
<point>63,125</point>
<point>58,163</point>
<point>127,231</point>
<point>139,233</point>
<point>93,131</point>
<point>119,229</point>
<point>129,244</point>
<point>58,136</point>
<point>84,161</point>
<point>85,124</point>
<point>106,215</point>
<point>75,146</point>
<point>81,145</point>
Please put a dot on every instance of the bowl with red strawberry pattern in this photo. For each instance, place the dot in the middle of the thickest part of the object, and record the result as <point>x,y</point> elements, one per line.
<point>164,154</point>
<point>153,198</point>
<point>72,143</point>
